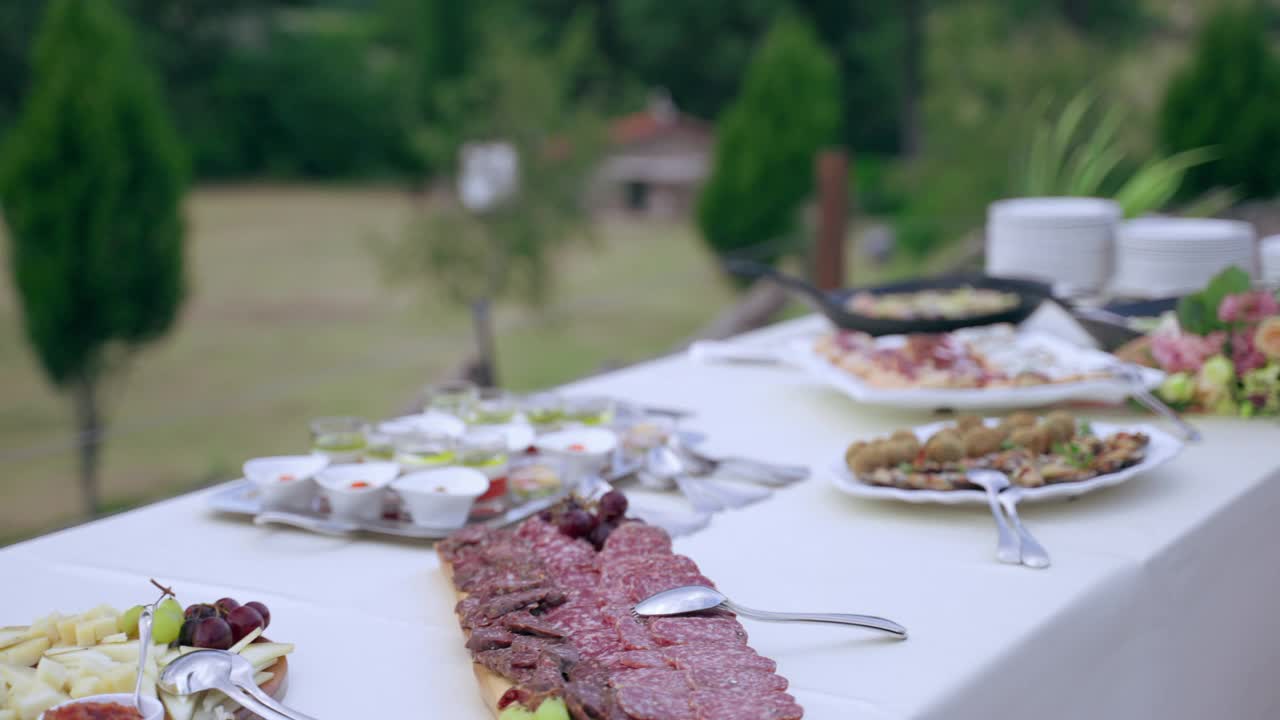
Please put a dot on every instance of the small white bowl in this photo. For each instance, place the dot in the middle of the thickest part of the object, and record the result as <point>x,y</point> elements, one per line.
<point>363,502</point>
<point>285,481</point>
<point>428,422</point>
<point>442,497</point>
<point>585,450</point>
<point>151,708</point>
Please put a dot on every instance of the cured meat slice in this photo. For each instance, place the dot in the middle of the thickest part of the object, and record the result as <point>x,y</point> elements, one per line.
<point>711,655</point>
<point>631,579</point>
<point>652,694</point>
<point>727,677</point>
<point>686,630</point>
<point>737,705</point>
<point>635,538</point>
<point>634,659</point>
<point>595,643</point>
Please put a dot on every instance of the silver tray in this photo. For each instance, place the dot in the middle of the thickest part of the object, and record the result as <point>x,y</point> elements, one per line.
<point>239,497</point>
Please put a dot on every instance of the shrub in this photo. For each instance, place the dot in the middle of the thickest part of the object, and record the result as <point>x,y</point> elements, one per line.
<point>1228,97</point>
<point>789,107</point>
<point>303,105</point>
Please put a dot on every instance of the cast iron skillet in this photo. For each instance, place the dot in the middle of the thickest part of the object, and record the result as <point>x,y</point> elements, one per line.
<point>833,304</point>
<point>1111,326</point>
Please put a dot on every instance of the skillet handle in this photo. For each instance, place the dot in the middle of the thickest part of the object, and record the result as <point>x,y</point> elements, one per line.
<point>751,268</point>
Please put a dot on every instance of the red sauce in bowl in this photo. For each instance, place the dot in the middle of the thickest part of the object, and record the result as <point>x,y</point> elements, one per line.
<point>94,711</point>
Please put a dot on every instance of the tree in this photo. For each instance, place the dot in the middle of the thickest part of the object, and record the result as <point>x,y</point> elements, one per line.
<point>789,108</point>
<point>1227,98</point>
<point>91,182</point>
<point>435,41</point>
<point>517,97</point>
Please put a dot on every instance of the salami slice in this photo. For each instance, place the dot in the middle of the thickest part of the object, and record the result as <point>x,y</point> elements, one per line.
<point>711,654</point>
<point>637,539</point>
<point>687,630</point>
<point>652,694</point>
<point>737,705</point>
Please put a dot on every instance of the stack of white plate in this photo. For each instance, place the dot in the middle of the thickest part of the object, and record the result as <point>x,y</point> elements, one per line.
<point>1271,261</point>
<point>1064,240</point>
<point>1161,257</point>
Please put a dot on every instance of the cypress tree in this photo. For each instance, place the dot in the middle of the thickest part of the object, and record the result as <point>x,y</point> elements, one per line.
<point>788,109</point>
<point>91,183</point>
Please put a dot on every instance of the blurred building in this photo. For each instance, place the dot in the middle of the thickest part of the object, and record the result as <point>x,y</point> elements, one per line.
<point>656,162</point>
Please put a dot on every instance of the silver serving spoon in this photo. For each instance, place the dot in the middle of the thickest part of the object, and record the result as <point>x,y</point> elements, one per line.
<point>1033,553</point>
<point>227,673</point>
<point>144,643</point>
<point>1001,493</point>
<point>696,598</point>
<point>664,464</point>
<point>1131,375</point>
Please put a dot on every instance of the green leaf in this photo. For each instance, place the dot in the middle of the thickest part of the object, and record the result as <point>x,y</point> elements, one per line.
<point>1198,312</point>
<point>1156,182</point>
<point>1211,203</point>
<point>1194,315</point>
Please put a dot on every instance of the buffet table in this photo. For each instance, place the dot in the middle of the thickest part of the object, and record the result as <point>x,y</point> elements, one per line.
<point>1159,603</point>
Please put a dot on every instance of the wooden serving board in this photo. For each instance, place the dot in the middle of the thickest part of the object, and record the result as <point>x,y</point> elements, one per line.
<point>276,687</point>
<point>492,685</point>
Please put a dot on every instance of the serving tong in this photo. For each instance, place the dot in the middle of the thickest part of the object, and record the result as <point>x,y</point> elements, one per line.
<point>228,673</point>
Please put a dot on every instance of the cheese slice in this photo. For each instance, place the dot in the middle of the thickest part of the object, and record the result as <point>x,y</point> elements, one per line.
<point>26,653</point>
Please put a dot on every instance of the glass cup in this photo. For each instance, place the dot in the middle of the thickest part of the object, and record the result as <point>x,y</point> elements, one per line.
<point>544,409</point>
<point>592,410</point>
<point>493,407</point>
<point>533,478</point>
<point>417,450</point>
<point>645,434</point>
<point>378,446</point>
<point>453,398</point>
<point>341,438</point>
<point>485,449</point>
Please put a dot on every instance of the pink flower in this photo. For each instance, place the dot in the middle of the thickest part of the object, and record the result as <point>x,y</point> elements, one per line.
<point>1184,352</point>
<point>1245,355</point>
<point>1249,307</point>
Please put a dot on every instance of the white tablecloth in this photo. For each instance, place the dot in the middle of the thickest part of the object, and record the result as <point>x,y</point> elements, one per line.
<point>1159,603</point>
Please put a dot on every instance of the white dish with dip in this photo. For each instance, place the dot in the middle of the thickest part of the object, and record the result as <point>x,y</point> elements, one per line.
<point>441,497</point>
<point>357,491</point>
<point>285,482</point>
<point>151,708</point>
<point>584,450</point>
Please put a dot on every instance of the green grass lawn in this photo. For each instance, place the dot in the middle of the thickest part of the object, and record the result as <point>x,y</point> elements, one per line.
<point>289,318</point>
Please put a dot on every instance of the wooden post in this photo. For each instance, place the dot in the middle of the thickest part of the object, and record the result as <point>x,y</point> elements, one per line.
<point>832,170</point>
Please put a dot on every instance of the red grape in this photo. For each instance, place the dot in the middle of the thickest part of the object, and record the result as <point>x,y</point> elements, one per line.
<point>213,633</point>
<point>200,612</point>
<point>226,605</point>
<point>577,523</point>
<point>187,632</point>
<point>600,533</point>
<point>243,620</point>
<point>263,611</point>
<point>613,505</point>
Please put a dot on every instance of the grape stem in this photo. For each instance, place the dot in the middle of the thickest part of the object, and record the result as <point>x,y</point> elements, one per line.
<point>164,591</point>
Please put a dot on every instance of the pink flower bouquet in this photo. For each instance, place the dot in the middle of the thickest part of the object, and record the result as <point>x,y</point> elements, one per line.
<point>1223,352</point>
